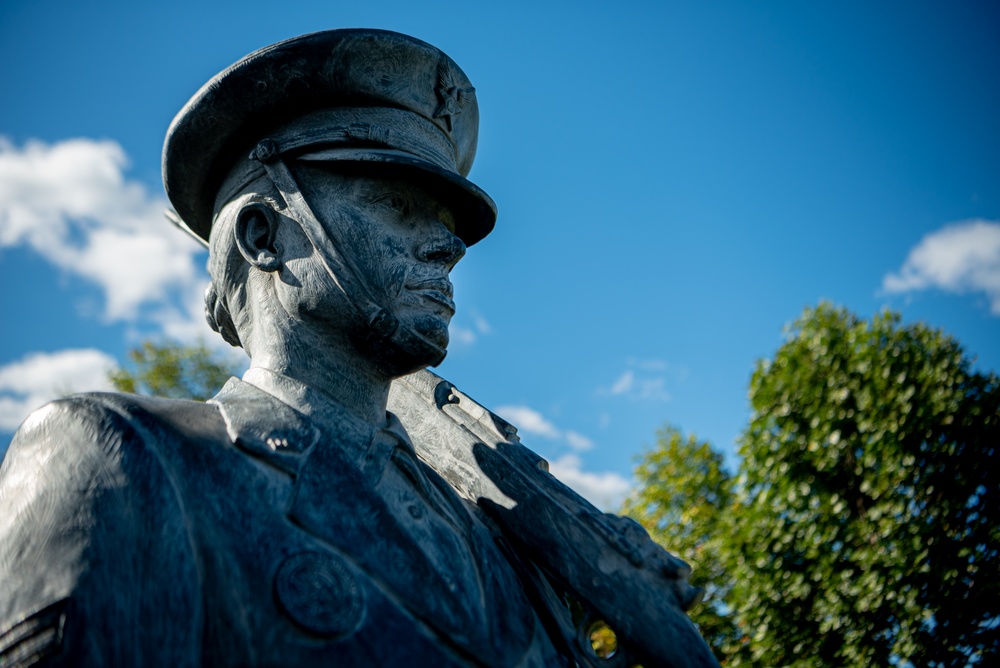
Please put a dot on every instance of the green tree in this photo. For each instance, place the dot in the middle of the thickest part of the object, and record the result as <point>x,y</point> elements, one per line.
<point>865,523</point>
<point>870,528</point>
<point>684,499</point>
<point>174,370</point>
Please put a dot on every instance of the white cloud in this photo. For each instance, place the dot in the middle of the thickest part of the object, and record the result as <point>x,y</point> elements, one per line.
<point>466,336</point>
<point>482,326</point>
<point>606,490</point>
<point>71,203</point>
<point>578,441</point>
<point>651,364</point>
<point>637,387</point>
<point>652,388</point>
<point>529,420</point>
<point>461,335</point>
<point>40,377</point>
<point>624,383</point>
<point>185,320</point>
<point>962,257</point>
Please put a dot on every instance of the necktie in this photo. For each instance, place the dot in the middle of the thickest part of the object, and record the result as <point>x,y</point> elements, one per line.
<point>388,448</point>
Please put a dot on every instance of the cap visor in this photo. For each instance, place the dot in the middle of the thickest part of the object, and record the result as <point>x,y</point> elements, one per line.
<point>475,212</point>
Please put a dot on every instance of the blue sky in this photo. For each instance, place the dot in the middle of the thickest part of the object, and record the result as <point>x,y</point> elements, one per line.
<point>676,182</point>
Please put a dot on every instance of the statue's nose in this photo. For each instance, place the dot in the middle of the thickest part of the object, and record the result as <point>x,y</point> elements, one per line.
<point>444,249</point>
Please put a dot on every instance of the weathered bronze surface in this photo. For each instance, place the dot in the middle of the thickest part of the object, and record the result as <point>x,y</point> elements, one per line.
<point>293,519</point>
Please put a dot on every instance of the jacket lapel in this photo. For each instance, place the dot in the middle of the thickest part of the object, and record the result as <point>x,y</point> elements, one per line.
<point>334,500</point>
<point>264,427</point>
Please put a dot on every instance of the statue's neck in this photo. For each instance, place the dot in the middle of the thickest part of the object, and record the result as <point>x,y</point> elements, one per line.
<point>329,366</point>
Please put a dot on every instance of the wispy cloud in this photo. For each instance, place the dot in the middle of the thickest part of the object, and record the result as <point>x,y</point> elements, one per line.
<point>481,324</point>
<point>962,257</point>
<point>466,336</point>
<point>578,441</point>
<point>71,203</point>
<point>624,383</point>
<point>461,335</point>
<point>529,421</point>
<point>40,377</point>
<point>606,489</point>
<point>648,364</point>
<point>641,380</point>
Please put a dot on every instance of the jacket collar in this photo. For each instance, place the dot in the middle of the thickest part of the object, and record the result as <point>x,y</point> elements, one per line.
<point>278,419</point>
<point>265,427</point>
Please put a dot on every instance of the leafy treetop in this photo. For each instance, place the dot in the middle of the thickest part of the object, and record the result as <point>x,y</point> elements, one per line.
<point>174,370</point>
<point>864,523</point>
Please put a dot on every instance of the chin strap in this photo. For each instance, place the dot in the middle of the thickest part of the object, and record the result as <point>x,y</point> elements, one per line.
<point>397,345</point>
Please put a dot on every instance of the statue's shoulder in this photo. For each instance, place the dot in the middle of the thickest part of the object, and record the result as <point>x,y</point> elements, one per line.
<point>108,426</point>
<point>91,454</point>
<point>94,452</point>
<point>91,526</point>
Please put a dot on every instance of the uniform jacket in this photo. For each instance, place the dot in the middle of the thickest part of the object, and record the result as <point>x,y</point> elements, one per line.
<point>141,531</point>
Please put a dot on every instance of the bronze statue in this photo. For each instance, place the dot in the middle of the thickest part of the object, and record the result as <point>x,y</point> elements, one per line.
<point>292,519</point>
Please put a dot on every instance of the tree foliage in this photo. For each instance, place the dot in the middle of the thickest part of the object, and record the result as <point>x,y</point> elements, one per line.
<point>684,502</point>
<point>864,527</point>
<point>174,370</point>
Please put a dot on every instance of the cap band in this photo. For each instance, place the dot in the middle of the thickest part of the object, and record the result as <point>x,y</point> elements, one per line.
<point>331,131</point>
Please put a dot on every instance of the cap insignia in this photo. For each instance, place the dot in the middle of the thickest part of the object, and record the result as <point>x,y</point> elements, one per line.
<point>453,99</point>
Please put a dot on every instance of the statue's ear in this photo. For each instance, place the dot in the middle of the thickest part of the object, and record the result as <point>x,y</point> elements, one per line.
<point>256,229</point>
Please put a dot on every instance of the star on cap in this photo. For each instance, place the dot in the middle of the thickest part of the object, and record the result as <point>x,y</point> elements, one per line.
<point>453,99</point>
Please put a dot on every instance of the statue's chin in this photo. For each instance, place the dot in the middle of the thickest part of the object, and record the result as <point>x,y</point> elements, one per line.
<point>415,345</point>
<point>433,329</point>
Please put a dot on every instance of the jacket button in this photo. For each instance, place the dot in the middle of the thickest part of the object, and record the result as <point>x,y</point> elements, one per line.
<point>317,591</point>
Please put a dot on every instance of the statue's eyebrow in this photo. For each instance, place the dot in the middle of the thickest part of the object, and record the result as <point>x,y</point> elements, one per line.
<point>399,198</point>
<point>382,194</point>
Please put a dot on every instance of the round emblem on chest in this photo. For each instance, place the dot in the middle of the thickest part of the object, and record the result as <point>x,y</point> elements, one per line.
<point>318,592</point>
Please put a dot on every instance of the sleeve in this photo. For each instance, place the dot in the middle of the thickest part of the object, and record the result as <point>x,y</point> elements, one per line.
<point>96,561</point>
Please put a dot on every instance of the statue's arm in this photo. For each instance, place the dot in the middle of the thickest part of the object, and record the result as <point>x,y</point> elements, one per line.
<point>606,562</point>
<point>96,564</point>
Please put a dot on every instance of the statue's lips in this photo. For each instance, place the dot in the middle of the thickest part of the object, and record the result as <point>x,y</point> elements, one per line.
<point>436,290</point>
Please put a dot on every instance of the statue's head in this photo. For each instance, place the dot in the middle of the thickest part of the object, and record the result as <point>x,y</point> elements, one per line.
<point>327,175</point>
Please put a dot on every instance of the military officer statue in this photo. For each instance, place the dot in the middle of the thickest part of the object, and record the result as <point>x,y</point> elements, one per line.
<point>292,519</point>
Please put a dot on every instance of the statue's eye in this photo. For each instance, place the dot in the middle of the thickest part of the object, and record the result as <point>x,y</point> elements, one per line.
<point>448,218</point>
<point>394,202</point>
